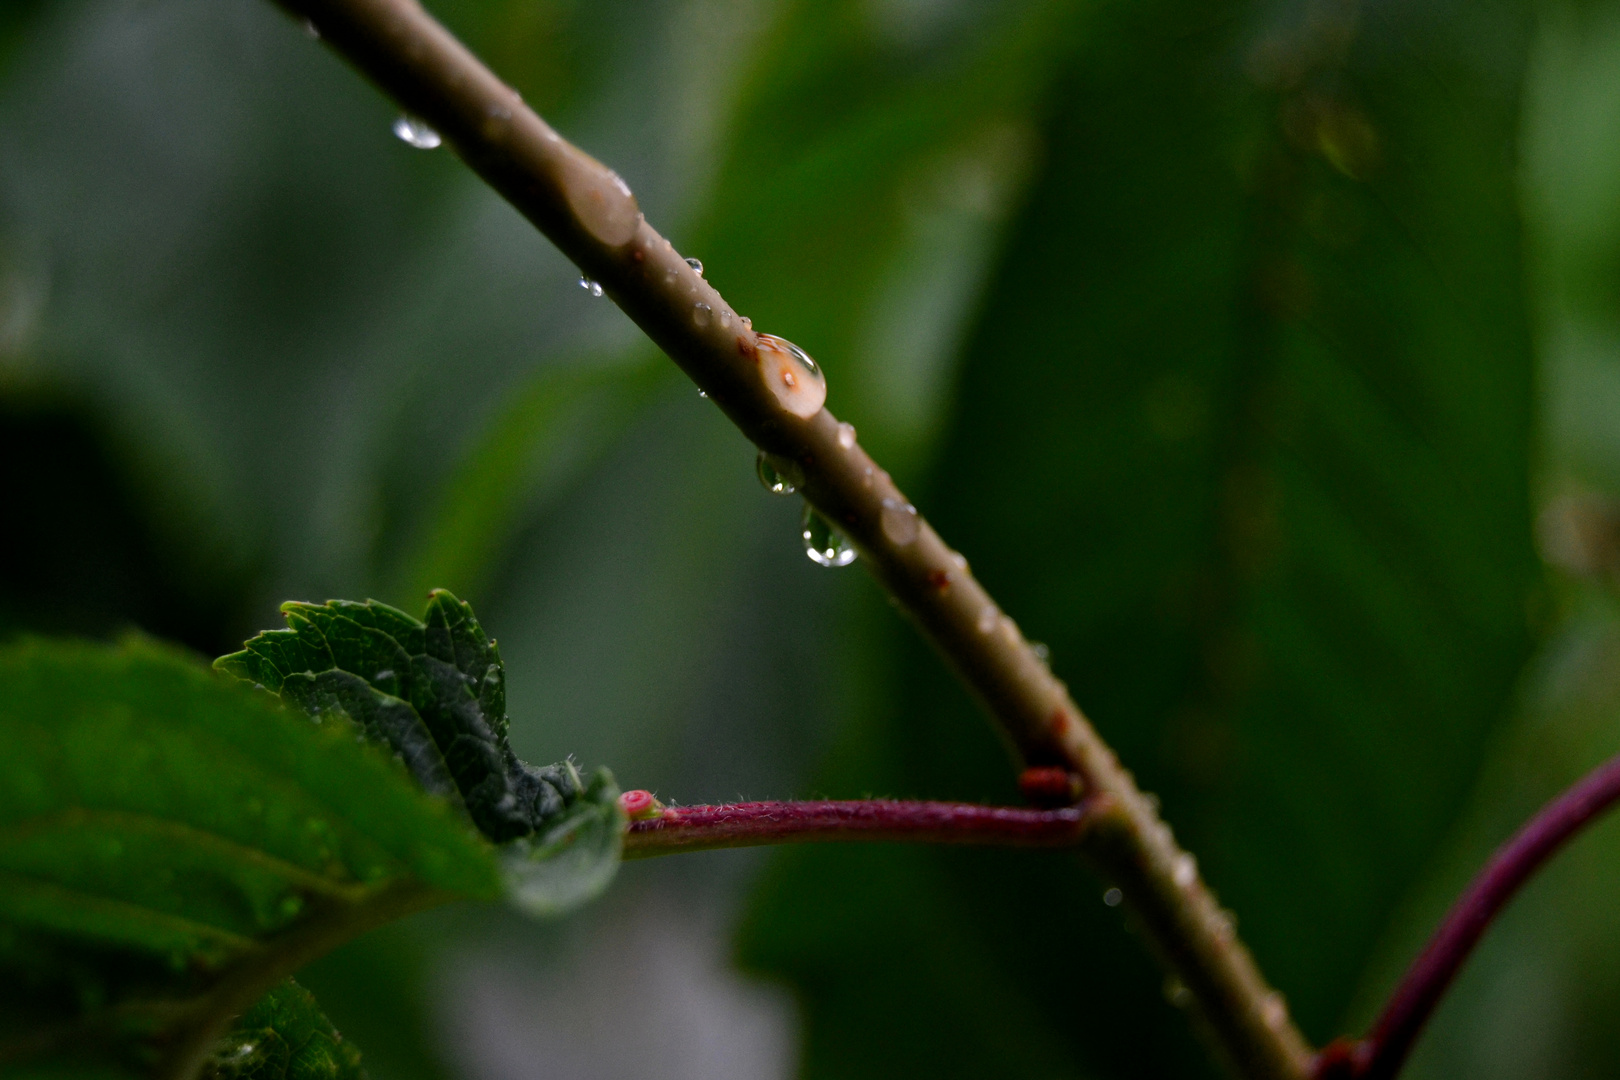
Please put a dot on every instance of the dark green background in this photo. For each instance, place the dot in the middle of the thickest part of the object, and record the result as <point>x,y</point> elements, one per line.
<point>1240,346</point>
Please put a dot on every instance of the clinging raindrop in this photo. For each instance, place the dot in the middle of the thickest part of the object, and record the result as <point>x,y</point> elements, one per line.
<point>696,264</point>
<point>776,481</point>
<point>825,545</point>
<point>791,376</point>
<point>416,133</point>
<point>592,287</point>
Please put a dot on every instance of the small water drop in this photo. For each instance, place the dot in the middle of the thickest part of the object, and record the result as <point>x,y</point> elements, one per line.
<point>701,314</point>
<point>416,133</point>
<point>697,264</point>
<point>748,324</point>
<point>1176,993</point>
<point>1185,872</point>
<point>1274,1011</point>
<point>899,521</point>
<point>987,620</point>
<point>1113,897</point>
<point>312,30</point>
<point>1041,651</point>
<point>592,287</point>
<point>791,375</point>
<point>866,478</point>
<point>704,394</point>
<point>960,560</point>
<point>825,545</point>
<point>846,436</point>
<point>777,481</point>
<point>725,318</point>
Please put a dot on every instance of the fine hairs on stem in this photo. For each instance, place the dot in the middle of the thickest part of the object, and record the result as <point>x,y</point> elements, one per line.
<point>591,215</point>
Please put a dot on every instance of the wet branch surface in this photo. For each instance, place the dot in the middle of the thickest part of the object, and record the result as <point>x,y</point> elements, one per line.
<point>703,828</point>
<point>590,215</point>
<point>1382,1053</point>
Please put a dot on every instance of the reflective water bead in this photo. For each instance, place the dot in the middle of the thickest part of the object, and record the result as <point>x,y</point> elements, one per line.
<point>311,29</point>
<point>825,545</point>
<point>600,199</point>
<point>791,376</point>
<point>776,481</point>
<point>701,314</point>
<point>696,264</point>
<point>415,132</point>
<point>592,287</point>
<point>846,436</point>
<point>899,521</point>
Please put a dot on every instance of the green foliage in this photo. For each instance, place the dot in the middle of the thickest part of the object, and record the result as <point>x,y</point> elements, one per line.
<point>434,693</point>
<point>284,1037</point>
<point>166,834</point>
<point>1252,391</point>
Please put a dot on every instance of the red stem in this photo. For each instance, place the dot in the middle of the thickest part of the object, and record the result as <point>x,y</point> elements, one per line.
<point>1381,1055</point>
<point>688,828</point>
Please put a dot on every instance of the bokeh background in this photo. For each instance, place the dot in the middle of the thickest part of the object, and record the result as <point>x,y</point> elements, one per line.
<point>1262,355</point>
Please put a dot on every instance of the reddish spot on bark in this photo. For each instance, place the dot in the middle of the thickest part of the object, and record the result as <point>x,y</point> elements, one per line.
<point>1060,723</point>
<point>940,580</point>
<point>637,255</point>
<point>1049,786</point>
<point>639,804</point>
<point>1340,1059</point>
<point>746,348</point>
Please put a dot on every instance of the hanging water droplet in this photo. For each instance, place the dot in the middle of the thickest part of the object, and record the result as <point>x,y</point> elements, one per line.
<point>312,30</point>
<point>704,394</point>
<point>415,132</point>
<point>825,545</point>
<point>1041,651</point>
<point>701,314</point>
<point>697,264</point>
<point>1113,897</point>
<point>1185,871</point>
<point>592,287</point>
<point>846,436</point>
<point>987,620</point>
<point>748,324</point>
<point>791,375</point>
<point>779,475</point>
<point>960,560</point>
<point>899,521</point>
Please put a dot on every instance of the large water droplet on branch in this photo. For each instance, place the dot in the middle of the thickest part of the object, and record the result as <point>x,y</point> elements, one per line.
<point>416,133</point>
<point>825,545</point>
<point>791,375</point>
<point>602,203</point>
<point>776,480</point>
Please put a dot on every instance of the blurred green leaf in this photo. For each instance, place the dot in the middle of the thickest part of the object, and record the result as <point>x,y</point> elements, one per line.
<point>284,1037</point>
<point>434,693</point>
<point>544,435</point>
<point>168,837</point>
<point>1244,434</point>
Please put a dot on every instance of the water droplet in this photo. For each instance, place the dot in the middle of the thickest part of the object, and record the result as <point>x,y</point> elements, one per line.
<point>791,375</point>
<point>725,318</point>
<point>748,324</point>
<point>701,314</point>
<point>776,474</point>
<point>846,436</point>
<point>704,394</point>
<point>1041,651</point>
<point>1274,1011</point>
<point>311,29</point>
<point>592,287</point>
<point>601,201</point>
<point>960,560</point>
<point>416,133</point>
<point>1185,872</point>
<point>697,264</point>
<point>1113,897</point>
<point>987,619</point>
<point>899,521</point>
<point>825,545</point>
<point>866,478</point>
<point>1176,993</point>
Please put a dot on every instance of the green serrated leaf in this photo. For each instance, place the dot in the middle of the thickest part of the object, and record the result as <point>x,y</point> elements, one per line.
<point>170,841</point>
<point>434,692</point>
<point>284,1037</point>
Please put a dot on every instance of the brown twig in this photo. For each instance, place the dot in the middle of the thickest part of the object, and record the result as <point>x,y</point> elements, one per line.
<point>704,828</point>
<point>1383,1052</point>
<point>588,212</point>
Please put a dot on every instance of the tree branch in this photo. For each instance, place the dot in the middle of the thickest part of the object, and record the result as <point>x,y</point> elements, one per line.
<point>1381,1055</point>
<point>588,212</point>
<point>704,828</point>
